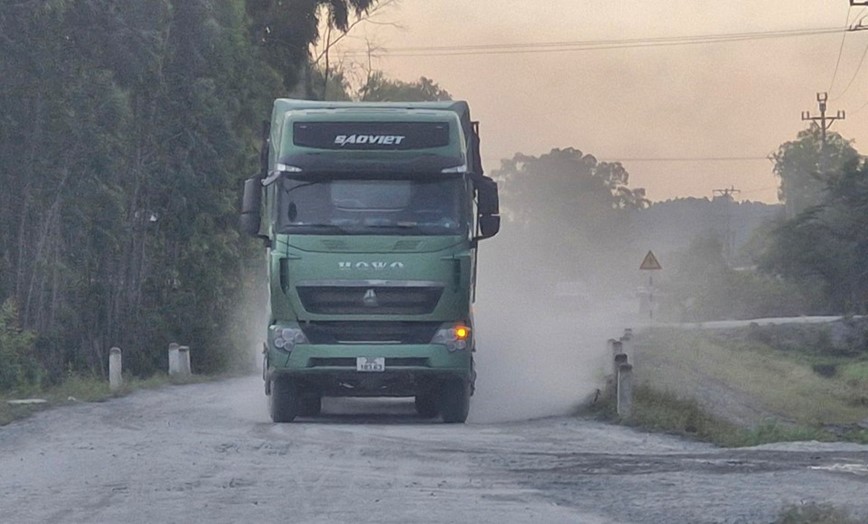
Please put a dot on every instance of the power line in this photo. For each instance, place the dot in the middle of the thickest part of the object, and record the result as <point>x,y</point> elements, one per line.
<point>863,106</point>
<point>687,159</point>
<point>855,74</point>
<point>596,45</point>
<point>840,49</point>
<point>757,190</point>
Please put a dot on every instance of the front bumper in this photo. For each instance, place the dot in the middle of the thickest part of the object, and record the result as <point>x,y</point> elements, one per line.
<point>330,369</point>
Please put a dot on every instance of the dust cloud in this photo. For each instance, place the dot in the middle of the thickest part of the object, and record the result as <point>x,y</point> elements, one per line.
<point>249,322</point>
<point>538,354</point>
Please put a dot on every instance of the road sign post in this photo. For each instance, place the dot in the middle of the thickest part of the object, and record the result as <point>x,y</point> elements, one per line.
<point>651,264</point>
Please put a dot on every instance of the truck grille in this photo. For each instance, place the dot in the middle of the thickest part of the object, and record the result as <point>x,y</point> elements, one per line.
<point>369,300</point>
<point>372,332</point>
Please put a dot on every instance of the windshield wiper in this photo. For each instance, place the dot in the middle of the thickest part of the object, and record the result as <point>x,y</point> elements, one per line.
<point>288,190</point>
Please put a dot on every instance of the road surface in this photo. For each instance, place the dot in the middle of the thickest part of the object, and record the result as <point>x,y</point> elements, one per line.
<point>208,453</point>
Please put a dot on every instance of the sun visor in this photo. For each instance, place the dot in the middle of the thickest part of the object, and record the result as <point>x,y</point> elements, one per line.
<point>373,164</point>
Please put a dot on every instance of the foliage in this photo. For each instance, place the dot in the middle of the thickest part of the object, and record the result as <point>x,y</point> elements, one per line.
<point>704,287</point>
<point>17,367</point>
<point>126,127</point>
<point>284,29</point>
<point>807,165</point>
<point>665,412</point>
<point>337,86</point>
<point>815,513</point>
<point>568,211</point>
<point>379,88</point>
<point>826,245</point>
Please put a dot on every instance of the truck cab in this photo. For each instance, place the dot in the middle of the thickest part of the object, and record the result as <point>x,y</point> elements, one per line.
<point>371,214</point>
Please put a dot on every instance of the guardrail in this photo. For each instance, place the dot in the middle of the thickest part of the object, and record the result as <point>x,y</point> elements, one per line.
<point>623,352</point>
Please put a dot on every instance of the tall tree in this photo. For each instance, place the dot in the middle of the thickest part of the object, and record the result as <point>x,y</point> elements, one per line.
<point>286,28</point>
<point>126,127</point>
<point>569,212</point>
<point>825,246</point>
<point>807,166</point>
<point>126,124</point>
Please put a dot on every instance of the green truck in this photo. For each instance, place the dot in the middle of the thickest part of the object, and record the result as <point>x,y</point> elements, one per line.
<point>371,214</point>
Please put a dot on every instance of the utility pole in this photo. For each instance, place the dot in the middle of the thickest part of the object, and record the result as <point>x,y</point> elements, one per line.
<point>728,192</point>
<point>825,122</point>
<point>724,196</point>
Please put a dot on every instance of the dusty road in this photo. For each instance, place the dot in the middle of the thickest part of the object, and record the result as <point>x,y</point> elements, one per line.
<point>208,453</point>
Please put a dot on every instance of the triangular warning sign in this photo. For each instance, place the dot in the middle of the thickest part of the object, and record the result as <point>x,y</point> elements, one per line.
<point>650,262</point>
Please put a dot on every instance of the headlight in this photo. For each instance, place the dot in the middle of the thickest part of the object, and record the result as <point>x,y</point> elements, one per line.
<point>454,338</point>
<point>287,338</point>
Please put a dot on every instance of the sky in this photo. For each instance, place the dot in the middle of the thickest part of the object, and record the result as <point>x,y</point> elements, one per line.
<point>648,106</point>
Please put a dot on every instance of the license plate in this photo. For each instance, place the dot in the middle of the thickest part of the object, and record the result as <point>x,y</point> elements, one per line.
<point>370,364</point>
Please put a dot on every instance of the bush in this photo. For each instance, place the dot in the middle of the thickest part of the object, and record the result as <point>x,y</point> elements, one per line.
<point>814,513</point>
<point>17,367</point>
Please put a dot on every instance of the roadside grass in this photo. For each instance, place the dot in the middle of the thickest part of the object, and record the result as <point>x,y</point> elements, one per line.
<point>665,412</point>
<point>774,396</point>
<point>814,513</point>
<point>78,388</point>
<point>779,382</point>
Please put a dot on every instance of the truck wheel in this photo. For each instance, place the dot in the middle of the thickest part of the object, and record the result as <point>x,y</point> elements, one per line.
<point>309,406</point>
<point>283,402</point>
<point>455,401</point>
<point>426,405</point>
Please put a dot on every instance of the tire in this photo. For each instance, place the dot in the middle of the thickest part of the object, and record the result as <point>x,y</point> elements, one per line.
<point>455,401</point>
<point>309,406</point>
<point>426,405</point>
<point>283,403</point>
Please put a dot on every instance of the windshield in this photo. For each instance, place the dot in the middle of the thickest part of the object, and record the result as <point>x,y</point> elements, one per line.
<point>372,206</point>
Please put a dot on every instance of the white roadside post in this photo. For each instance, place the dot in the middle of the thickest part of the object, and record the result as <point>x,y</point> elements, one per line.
<point>184,369</point>
<point>628,346</point>
<point>625,390</point>
<point>618,356</point>
<point>174,364</point>
<point>115,372</point>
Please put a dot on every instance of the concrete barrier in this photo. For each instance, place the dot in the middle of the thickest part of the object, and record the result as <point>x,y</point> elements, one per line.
<point>174,362</point>
<point>116,377</point>
<point>184,368</point>
<point>625,390</point>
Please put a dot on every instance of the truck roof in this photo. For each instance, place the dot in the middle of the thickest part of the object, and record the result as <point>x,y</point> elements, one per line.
<point>460,107</point>
<point>329,111</point>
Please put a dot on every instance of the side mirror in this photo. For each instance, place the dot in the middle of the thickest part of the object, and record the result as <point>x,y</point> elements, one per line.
<point>489,225</point>
<point>250,206</point>
<point>486,196</point>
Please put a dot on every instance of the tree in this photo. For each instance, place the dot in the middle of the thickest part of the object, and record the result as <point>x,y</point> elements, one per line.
<point>807,166</point>
<point>568,211</point>
<point>286,28</point>
<point>17,366</point>
<point>126,126</point>
<point>704,287</point>
<point>564,186</point>
<point>379,88</point>
<point>825,246</point>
